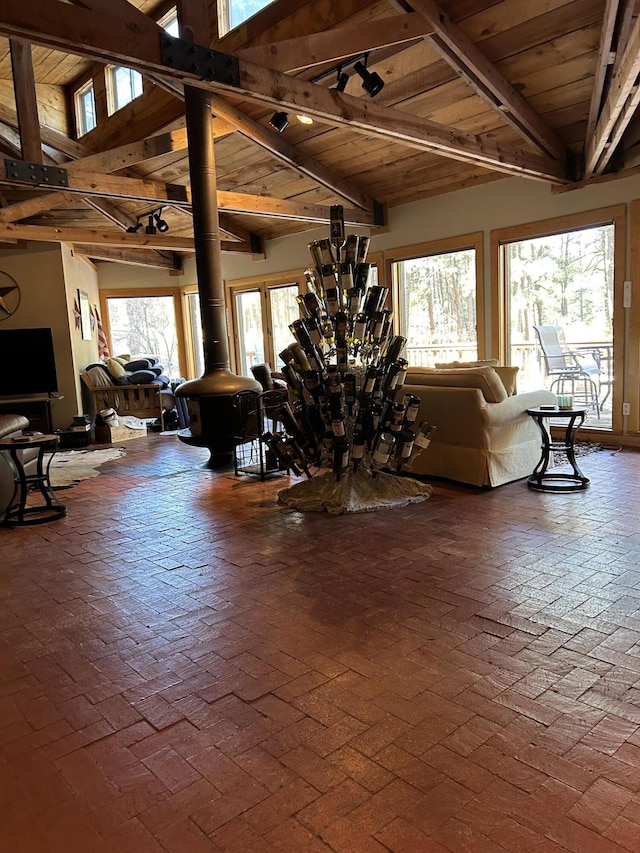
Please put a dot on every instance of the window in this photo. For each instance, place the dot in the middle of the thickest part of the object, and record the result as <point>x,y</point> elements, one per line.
<point>146,325</point>
<point>123,86</point>
<point>563,280</point>
<point>436,297</point>
<point>85,104</point>
<point>169,23</point>
<point>233,12</point>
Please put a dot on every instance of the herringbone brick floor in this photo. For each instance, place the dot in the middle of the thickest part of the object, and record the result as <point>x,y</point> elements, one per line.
<point>187,667</point>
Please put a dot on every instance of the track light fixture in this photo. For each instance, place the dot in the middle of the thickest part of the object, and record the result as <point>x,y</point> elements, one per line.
<point>279,121</point>
<point>343,79</point>
<point>161,224</point>
<point>151,228</point>
<point>133,229</point>
<point>372,83</point>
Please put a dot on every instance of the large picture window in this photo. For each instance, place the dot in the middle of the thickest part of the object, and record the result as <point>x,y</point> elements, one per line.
<point>146,325</point>
<point>436,298</point>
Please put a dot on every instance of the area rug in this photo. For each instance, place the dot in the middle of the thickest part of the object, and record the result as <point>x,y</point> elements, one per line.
<point>581,448</point>
<point>359,492</point>
<point>71,467</point>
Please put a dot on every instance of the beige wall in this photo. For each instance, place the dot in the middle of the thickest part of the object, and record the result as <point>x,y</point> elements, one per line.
<point>49,278</point>
<point>79,275</point>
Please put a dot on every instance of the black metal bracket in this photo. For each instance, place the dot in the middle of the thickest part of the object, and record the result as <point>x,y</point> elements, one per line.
<point>36,174</point>
<point>195,59</point>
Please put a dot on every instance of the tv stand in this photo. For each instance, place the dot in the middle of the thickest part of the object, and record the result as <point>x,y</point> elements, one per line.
<point>37,410</point>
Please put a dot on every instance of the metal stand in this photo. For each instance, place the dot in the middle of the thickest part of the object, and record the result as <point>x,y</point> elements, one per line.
<point>566,481</point>
<point>21,515</point>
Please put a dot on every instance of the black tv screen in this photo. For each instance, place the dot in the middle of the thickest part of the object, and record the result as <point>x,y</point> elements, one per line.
<point>29,362</point>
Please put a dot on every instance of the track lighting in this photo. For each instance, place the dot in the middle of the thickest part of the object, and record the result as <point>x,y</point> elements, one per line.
<point>279,121</point>
<point>343,79</point>
<point>161,224</point>
<point>372,83</point>
<point>133,229</point>
<point>151,228</point>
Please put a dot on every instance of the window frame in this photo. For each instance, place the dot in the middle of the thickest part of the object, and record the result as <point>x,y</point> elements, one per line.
<point>80,113</point>
<point>225,14</point>
<point>111,86</point>
<point>142,292</point>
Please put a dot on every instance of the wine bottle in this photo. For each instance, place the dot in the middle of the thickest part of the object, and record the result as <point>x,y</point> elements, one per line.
<point>397,417</point>
<point>350,254</point>
<point>340,457</point>
<point>326,252</point>
<point>301,362</point>
<point>360,329</point>
<point>383,448</point>
<point>363,249</point>
<point>336,228</point>
<point>394,348</point>
<point>350,391</point>
<point>333,301</point>
<point>412,404</point>
<point>404,449</point>
<point>300,332</point>
<point>293,380</point>
<point>346,277</point>
<point>357,450</point>
<point>402,373</point>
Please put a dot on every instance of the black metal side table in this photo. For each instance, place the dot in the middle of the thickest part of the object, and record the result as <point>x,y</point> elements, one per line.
<point>543,481</point>
<point>19,514</point>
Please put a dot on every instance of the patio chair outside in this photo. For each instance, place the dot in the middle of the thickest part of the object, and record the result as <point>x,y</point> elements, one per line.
<point>571,372</point>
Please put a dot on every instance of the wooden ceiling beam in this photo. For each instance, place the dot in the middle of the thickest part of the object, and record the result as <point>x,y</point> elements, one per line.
<point>337,45</point>
<point>138,257</point>
<point>24,87</point>
<point>621,100</point>
<point>34,206</point>
<point>78,30</point>
<point>52,234</point>
<point>605,52</point>
<point>485,79</point>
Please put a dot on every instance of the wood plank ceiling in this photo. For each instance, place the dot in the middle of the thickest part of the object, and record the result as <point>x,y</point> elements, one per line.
<point>474,91</point>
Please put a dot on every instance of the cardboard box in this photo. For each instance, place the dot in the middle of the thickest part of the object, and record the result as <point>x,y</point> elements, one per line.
<point>114,435</point>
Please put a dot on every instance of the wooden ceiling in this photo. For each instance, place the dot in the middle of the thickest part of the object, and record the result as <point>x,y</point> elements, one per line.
<point>475,90</point>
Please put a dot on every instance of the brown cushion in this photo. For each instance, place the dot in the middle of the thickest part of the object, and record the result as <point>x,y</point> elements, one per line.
<point>508,375</point>
<point>484,378</point>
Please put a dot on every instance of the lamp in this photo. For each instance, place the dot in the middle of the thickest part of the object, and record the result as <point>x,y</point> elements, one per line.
<point>151,228</point>
<point>133,229</point>
<point>279,121</point>
<point>372,83</point>
<point>161,224</point>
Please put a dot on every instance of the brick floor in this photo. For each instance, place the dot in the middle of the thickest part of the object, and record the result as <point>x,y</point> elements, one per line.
<point>185,666</point>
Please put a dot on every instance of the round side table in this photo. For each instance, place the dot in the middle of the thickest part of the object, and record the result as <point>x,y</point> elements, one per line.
<point>19,514</point>
<point>543,481</point>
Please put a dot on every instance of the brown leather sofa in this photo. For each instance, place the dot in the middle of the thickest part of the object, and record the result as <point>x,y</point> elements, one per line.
<point>12,426</point>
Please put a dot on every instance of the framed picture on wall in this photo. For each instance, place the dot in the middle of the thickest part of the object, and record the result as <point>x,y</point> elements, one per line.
<point>85,315</point>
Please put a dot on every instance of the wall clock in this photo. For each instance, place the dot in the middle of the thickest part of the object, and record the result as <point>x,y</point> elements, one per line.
<point>9,295</point>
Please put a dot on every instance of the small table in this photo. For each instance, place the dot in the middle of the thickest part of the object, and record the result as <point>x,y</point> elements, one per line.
<point>558,482</point>
<point>19,514</point>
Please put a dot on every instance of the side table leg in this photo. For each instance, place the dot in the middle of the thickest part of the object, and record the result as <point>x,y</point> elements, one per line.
<point>541,468</point>
<point>569,440</point>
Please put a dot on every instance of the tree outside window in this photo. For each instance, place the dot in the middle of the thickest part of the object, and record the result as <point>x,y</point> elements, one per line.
<point>85,103</point>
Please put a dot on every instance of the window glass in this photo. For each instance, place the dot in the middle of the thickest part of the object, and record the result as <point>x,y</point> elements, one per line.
<point>565,281</point>
<point>85,109</point>
<point>234,12</point>
<point>169,23</point>
<point>437,296</point>
<point>125,85</point>
<point>145,325</point>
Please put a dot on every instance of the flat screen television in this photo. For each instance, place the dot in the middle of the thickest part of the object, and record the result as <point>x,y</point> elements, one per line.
<point>29,363</point>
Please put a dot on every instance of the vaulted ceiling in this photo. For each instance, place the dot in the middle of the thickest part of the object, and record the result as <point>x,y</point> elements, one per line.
<point>475,90</point>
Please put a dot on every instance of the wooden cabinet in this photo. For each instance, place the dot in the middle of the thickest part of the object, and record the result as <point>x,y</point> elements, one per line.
<point>37,410</point>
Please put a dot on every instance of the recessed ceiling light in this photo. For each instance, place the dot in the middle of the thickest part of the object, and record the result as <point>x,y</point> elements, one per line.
<point>305,119</point>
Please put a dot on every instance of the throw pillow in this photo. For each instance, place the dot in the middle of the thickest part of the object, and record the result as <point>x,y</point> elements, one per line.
<point>508,375</point>
<point>491,362</point>
<point>116,370</point>
<point>484,378</point>
<point>99,376</point>
<point>141,377</point>
<point>138,364</point>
